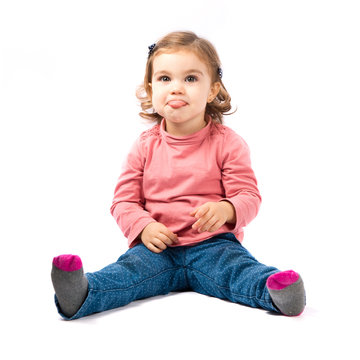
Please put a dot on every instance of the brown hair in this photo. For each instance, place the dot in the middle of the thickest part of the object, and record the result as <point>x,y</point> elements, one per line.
<point>205,50</point>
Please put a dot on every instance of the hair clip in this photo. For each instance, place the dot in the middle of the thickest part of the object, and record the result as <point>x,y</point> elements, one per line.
<point>220,72</point>
<point>151,49</point>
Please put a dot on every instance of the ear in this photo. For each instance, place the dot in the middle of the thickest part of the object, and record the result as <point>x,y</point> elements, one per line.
<point>150,88</point>
<point>214,90</point>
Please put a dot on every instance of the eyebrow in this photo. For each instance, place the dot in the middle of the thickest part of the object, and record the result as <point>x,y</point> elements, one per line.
<point>192,71</point>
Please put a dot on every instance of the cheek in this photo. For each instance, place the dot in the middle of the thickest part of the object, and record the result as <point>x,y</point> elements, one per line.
<point>201,96</point>
<point>157,100</point>
<point>154,96</point>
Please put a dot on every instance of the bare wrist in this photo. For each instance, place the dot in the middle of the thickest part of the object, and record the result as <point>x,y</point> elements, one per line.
<point>230,211</point>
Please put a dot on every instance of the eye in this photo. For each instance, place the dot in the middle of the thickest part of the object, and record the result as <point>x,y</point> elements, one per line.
<point>164,78</point>
<point>191,78</point>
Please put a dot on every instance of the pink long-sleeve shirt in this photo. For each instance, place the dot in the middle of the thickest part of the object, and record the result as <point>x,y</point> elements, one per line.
<point>165,177</point>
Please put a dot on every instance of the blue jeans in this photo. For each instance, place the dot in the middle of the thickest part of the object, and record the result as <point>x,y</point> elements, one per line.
<point>219,267</point>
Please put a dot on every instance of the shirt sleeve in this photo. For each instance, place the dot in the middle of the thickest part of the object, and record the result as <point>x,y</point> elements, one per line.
<point>128,203</point>
<point>239,180</point>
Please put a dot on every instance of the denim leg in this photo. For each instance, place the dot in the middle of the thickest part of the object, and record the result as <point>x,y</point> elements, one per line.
<point>137,274</point>
<point>223,268</point>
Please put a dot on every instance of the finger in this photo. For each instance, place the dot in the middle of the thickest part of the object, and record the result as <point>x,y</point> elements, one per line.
<point>206,226</point>
<point>216,226</point>
<point>153,248</point>
<point>166,239</point>
<point>201,211</point>
<point>202,221</point>
<point>170,235</point>
<point>199,223</point>
<point>193,212</point>
<point>159,244</point>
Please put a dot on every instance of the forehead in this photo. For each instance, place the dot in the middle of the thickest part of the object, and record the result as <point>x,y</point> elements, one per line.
<point>178,61</point>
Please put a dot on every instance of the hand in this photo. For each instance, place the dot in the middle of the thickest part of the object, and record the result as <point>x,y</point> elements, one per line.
<point>213,215</point>
<point>156,237</point>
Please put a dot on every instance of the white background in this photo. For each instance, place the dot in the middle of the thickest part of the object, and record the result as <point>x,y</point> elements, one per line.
<point>68,76</point>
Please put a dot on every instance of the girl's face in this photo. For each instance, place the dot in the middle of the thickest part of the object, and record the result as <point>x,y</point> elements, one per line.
<point>181,88</point>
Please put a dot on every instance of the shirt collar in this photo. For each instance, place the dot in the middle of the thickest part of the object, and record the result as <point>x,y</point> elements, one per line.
<point>194,138</point>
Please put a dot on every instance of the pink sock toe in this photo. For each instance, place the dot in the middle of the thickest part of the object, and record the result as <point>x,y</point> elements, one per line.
<point>67,262</point>
<point>281,280</point>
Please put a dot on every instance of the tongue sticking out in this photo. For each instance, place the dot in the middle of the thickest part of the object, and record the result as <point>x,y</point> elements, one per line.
<point>176,103</point>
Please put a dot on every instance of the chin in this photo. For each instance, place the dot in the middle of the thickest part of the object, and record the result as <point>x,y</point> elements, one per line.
<point>175,119</point>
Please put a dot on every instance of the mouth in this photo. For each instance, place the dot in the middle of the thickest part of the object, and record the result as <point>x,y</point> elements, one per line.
<point>176,104</point>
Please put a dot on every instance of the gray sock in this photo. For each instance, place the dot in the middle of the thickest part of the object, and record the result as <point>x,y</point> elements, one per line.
<point>70,283</point>
<point>287,292</point>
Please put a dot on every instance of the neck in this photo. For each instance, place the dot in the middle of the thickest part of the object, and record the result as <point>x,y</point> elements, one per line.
<point>183,129</point>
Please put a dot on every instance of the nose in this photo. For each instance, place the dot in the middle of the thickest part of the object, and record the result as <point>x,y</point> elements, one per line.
<point>177,88</point>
